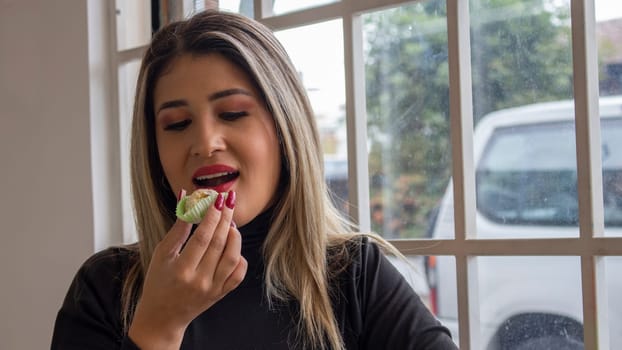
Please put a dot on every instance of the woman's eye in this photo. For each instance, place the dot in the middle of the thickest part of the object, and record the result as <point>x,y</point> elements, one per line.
<point>230,116</point>
<point>181,125</point>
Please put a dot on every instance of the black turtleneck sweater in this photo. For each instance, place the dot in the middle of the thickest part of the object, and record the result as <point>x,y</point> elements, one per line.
<point>374,306</point>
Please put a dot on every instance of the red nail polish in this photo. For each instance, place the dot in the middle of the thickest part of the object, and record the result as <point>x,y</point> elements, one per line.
<point>230,200</point>
<point>220,201</point>
<point>179,194</point>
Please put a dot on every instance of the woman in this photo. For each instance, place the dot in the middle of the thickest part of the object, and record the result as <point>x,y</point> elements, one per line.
<point>220,106</point>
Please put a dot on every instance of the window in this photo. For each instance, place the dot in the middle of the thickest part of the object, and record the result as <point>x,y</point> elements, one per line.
<point>324,80</point>
<point>407,86</point>
<point>411,144</point>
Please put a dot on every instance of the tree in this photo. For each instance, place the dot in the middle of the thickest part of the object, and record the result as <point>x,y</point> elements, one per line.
<point>521,54</point>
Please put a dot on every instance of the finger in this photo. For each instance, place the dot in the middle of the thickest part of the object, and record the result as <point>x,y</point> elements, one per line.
<point>236,277</point>
<point>201,239</point>
<point>174,240</point>
<point>230,257</point>
<point>218,244</point>
<point>181,193</point>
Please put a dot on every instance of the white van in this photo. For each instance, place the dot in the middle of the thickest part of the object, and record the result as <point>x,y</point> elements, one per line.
<point>526,188</point>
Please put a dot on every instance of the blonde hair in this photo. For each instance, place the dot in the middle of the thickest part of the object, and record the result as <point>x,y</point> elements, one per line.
<point>306,244</point>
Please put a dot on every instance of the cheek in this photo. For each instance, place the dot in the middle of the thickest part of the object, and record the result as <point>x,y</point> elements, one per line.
<point>170,159</point>
<point>263,156</point>
<point>268,155</point>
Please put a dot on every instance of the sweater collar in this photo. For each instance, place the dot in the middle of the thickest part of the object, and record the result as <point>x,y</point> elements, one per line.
<point>254,233</point>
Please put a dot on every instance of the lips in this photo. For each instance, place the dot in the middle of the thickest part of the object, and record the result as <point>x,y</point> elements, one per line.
<point>218,177</point>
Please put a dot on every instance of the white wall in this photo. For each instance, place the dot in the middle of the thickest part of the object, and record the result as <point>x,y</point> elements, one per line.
<point>47,100</point>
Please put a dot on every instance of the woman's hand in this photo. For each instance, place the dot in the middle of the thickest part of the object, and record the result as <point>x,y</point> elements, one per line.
<point>181,283</point>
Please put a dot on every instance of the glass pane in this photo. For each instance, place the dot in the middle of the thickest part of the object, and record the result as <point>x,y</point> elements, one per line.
<point>609,41</point>
<point>524,116</point>
<point>613,266</point>
<point>527,176</point>
<point>440,272</point>
<point>530,302</point>
<point>521,53</point>
<point>611,135</point>
<point>244,7</point>
<point>414,271</point>
<point>199,5</point>
<point>284,6</point>
<point>133,24</point>
<point>324,79</point>
<point>408,116</point>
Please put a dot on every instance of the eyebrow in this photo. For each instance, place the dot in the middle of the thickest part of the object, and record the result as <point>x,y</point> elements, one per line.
<point>215,96</point>
<point>229,92</point>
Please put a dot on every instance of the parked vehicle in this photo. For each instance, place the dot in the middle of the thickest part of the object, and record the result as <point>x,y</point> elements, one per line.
<point>526,188</point>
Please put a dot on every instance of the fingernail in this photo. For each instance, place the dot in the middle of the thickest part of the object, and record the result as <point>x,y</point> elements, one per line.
<point>220,201</point>
<point>179,194</point>
<point>233,224</point>
<point>230,200</point>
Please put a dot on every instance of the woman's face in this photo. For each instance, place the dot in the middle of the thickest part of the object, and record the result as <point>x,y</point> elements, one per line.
<point>213,131</point>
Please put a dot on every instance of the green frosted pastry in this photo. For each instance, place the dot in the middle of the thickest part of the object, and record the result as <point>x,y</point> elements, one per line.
<point>191,208</point>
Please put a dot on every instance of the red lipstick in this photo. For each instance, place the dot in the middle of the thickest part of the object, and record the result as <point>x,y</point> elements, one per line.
<point>218,177</point>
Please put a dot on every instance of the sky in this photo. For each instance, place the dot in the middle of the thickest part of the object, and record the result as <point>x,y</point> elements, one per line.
<point>608,9</point>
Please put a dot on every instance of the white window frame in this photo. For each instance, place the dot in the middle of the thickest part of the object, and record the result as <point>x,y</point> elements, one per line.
<point>591,245</point>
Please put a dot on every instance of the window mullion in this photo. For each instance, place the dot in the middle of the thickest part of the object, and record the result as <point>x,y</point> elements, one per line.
<point>570,246</point>
<point>132,54</point>
<point>178,10</point>
<point>119,58</point>
<point>115,146</point>
<point>262,9</point>
<point>589,175</point>
<point>595,316</point>
<point>587,122</point>
<point>461,124</point>
<point>356,122</point>
<point>104,131</point>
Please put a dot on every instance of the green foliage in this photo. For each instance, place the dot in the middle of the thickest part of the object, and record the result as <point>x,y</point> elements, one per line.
<point>520,54</point>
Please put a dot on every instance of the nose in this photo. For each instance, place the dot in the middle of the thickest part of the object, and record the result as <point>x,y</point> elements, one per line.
<point>209,138</point>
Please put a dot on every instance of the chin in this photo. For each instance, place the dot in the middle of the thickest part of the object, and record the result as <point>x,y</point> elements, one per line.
<point>241,220</point>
